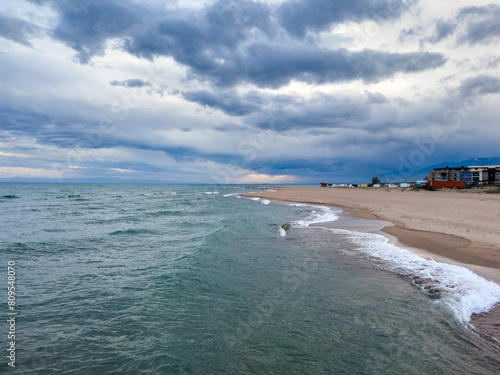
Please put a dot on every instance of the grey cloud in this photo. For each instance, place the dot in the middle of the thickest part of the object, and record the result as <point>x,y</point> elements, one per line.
<point>130,83</point>
<point>216,43</point>
<point>300,16</point>
<point>229,101</point>
<point>407,34</point>
<point>375,97</point>
<point>473,11</point>
<point>274,66</point>
<point>479,85</point>
<point>481,25</point>
<point>285,112</point>
<point>205,41</point>
<point>21,119</point>
<point>85,26</point>
<point>443,30</point>
<point>267,65</point>
<point>321,111</point>
<point>17,30</point>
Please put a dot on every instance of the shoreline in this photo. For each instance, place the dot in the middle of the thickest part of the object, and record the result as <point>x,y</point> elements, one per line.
<point>454,248</point>
<point>481,258</point>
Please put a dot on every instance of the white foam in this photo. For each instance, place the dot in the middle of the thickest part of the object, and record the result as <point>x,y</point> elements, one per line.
<point>282,232</point>
<point>211,192</point>
<point>265,201</point>
<point>461,290</point>
<point>321,214</point>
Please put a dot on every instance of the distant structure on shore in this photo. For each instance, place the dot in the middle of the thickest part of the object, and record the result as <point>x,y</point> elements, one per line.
<point>443,177</point>
<point>460,177</point>
<point>419,183</point>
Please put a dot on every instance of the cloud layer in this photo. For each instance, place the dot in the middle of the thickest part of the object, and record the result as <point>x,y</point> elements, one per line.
<point>219,91</point>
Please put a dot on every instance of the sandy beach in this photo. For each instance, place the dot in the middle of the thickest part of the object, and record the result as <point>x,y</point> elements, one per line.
<point>449,226</point>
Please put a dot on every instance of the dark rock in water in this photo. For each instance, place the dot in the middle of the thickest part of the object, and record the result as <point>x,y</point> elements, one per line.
<point>434,294</point>
<point>10,196</point>
<point>286,226</point>
<point>418,280</point>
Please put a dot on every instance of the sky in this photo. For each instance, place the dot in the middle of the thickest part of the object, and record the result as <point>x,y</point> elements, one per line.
<point>278,92</point>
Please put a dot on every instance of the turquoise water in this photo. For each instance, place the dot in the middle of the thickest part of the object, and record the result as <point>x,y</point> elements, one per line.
<point>181,279</point>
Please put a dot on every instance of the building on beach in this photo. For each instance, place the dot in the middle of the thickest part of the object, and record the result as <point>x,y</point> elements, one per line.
<point>448,174</point>
<point>474,174</point>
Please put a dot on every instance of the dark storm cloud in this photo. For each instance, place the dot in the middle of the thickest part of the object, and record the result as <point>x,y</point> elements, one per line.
<point>219,43</point>
<point>85,26</point>
<point>273,66</point>
<point>203,42</point>
<point>300,16</point>
<point>130,83</point>
<point>17,30</point>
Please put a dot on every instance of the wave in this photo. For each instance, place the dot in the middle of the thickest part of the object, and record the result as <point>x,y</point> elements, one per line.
<point>461,290</point>
<point>133,232</point>
<point>211,192</point>
<point>166,213</point>
<point>235,195</point>
<point>283,228</point>
<point>10,197</point>
<point>320,214</point>
<point>282,232</point>
<point>260,200</point>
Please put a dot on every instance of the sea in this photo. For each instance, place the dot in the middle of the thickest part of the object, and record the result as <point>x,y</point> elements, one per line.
<point>195,279</point>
